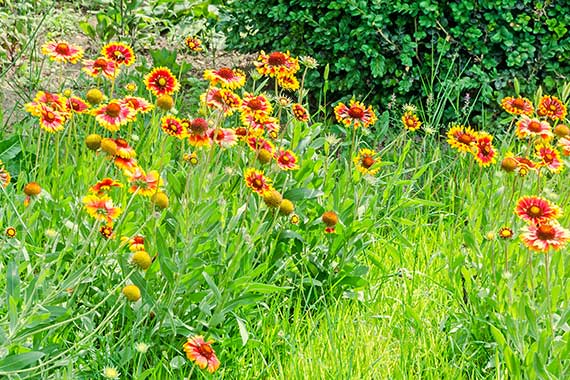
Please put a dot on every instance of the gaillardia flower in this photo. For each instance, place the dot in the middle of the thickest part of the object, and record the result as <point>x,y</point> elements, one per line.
<point>77,105</point>
<point>356,114</point>
<point>256,181</point>
<point>4,176</point>
<point>193,43</point>
<point>173,126</point>
<point>257,106</point>
<point>411,121</point>
<point>103,186</point>
<point>552,107</point>
<point>223,137</point>
<point>120,53</point>
<point>366,162</point>
<point>277,64</point>
<point>225,77</point>
<point>505,233</point>
<point>549,158</point>
<point>462,138</point>
<point>160,81</point>
<point>197,132</point>
<point>286,159</point>
<point>113,115</point>
<point>221,99</point>
<point>299,112</point>
<point>99,66</point>
<point>288,82</point>
<point>330,219</point>
<point>484,153</point>
<point>517,106</point>
<point>527,127</point>
<point>139,105</point>
<point>544,236</point>
<point>536,210</point>
<point>61,51</point>
<point>201,352</point>
<point>101,208</point>
<point>144,184</point>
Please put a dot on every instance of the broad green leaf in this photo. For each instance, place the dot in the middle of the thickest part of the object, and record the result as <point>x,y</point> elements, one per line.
<point>20,361</point>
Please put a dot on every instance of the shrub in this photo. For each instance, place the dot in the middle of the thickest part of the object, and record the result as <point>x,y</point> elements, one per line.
<point>379,48</point>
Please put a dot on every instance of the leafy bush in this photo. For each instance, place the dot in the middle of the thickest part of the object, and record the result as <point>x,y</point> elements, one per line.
<point>379,48</point>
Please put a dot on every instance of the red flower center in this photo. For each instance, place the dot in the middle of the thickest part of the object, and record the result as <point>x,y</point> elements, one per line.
<point>100,63</point>
<point>226,73</point>
<point>219,135</point>
<point>255,104</point>
<point>172,127</point>
<point>257,183</point>
<point>534,126</point>
<point>119,56</point>
<point>113,109</point>
<point>548,157</point>
<point>466,139</point>
<point>545,232</point>
<point>367,162</point>
<point>206,351</point>
<point>410,122</point>
<point>285,159</point>
<point>62,48</point>
<point>49,116</point>
<point>277,59</point>
<point>518,103</point>
<point>241,131</point>
<point>553,107</point>
<point>199,125</point>
<point>356,112</point>
<point>121,142</point>
<point>534,211</point>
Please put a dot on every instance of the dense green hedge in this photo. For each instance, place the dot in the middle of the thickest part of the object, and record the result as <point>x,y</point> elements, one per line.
<point>377,48</point>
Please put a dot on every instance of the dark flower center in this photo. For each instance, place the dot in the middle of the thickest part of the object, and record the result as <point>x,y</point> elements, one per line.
<point>258,183</point>
<point>113,109</point>
<point>100,63</point>
<point>206,351</point>
<point>356,112</point>
<point>367,162</point>
<point>545,232</point>
<point>277,59</point>
<point>465,139</point>
<point>161,81</point>
<point>255,104</point>
<point>62,48</point>
<point>518,103</point>
<point>121,142</point>
<point>534,126</point>
<point>49,116</point>
<point>553,107</point>
<point>226,73</point>
<point>199,125</point>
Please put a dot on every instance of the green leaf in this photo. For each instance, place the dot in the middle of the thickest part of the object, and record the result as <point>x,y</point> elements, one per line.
<point>20,361</point>
<point>303,193</point>
<point>242,331</point>
<point>256,287</point>
<point>499,337</point>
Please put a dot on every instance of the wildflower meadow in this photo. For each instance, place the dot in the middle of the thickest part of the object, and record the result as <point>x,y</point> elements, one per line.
<point>166,214</point>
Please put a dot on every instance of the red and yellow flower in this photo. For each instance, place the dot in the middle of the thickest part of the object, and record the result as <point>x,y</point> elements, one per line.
<point>288,82</point>
<point>517,106</point>
<point>113,115</point>
<point>56,102</point>
<point>103,186</point>
<point>536,210</point>
<point>552,107</point>
<point>367,162</point>
<point>61,51</point>
<point>564,143</point>
<point>225,77</point>
<point>411,121</point>
<point>545,236</point>
<point>223,137</point>
<point>258,143</point>
<point>257,106</point>
<point>51,120</point>
<point>506,233</point>
<point>299,112</point>
<point>173,126</point>
<point>160,81</point>
<point>221,99</point>
<point>201,353</point>
<point>139,105</point>
<point>120,53</point>
<point>356,114</point>
<point>193,43</point>
<point>286,159</point>
<point>549,158</point>
<point>277,64</point>
<point>101,66</point>
<point>485,152</point>
<point>527,127</point>
<point>77,105</point>
<point>144,184</point>
<point>197,132</point>
<point>101,208</point>
<point>462,138</point>
<point>256,181</point>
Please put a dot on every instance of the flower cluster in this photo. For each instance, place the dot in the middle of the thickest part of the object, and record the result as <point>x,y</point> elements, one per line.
<point>478,143</point>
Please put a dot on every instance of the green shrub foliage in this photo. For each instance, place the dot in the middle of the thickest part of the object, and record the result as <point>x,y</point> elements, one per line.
<point>377,48</point>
